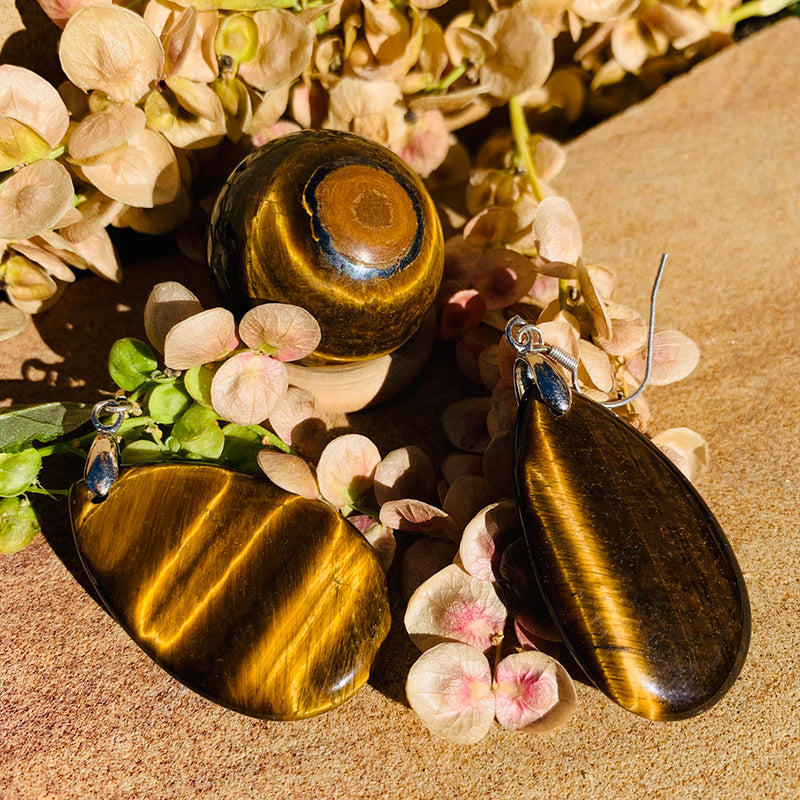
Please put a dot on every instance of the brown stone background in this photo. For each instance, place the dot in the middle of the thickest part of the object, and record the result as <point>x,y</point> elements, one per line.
<point>708,170</point>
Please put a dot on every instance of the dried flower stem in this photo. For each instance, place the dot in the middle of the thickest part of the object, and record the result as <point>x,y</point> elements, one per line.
<point>522,136</point>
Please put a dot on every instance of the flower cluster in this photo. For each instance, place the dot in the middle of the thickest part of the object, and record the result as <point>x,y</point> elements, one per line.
<point>153,99</point>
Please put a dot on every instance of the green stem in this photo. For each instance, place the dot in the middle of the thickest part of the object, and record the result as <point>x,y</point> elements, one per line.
<point>48,492</point>
<point>368,512</point>
<point>273,439</point>
<point>522,137</point>
<point>754,8</point>
<point>445,83</point>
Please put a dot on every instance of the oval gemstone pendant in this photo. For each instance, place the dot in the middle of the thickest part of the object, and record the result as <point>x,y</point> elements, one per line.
<point>635,570</point>
<point>263,601</point>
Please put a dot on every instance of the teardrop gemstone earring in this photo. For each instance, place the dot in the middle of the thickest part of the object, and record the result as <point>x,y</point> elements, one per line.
<point>264,602</point>
<point>635,570</point>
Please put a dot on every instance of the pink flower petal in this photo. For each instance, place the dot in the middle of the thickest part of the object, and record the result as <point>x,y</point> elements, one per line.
<point>485,538</point>
<point>462,311</point>
<point>289,472</point>
<point>405,472</point>
<point>346,468</point>
<point>533,692</point>
<point>424,558</point>
<point>414,515</point>
<point>453,606</point>
<point>450,688</point>
<point>285,332</point>
<point>247,386</point>
<point>168,304</point>
<point>200,339</point>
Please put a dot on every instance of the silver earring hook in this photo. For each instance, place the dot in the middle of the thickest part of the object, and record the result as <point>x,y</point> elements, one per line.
<point>527,338</point>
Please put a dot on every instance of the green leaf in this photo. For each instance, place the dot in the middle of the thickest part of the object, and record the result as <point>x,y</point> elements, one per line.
<point>21,426</point>
<point>197,381</point>
<point>194,422</point>
<point>130,363</point>
<point>18,524</point>
<point>242,446</point>
<point>18,471</point>
<point>143,452</point>
<point>208,446</point>
<point>167,401</point>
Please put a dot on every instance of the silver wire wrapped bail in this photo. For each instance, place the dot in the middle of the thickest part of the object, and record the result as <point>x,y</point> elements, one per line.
<point>103,461</point>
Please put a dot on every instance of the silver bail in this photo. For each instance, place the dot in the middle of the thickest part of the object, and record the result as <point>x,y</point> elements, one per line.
<point>103,462</point>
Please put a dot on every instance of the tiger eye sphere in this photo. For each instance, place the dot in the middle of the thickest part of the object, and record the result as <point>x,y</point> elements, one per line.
<point>336,224</point>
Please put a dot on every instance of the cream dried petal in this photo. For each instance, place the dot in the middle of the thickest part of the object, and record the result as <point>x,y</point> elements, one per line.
<point>628,45</point>
<point>20,144</point>
<point>193,132</point>
<point>462,311</point>
<point>365,107</point>
<point>457,464</point>
<point>284,331</point>
<point>144,172</point>
<point>50,262</point>
<point>98,252</point>
<point>686,449</point>
<point>34,199</point>
<point>267,110</point>
<point>452,606</point>
<point>189,46</point>
<point>284,49</point>
<point>464,423</point>
<point>502,276</point>
<point>163,219</point>
<point>466,496</point>
<point>524,52</point>
<point>290,472</point>
<point>200,339</point>
<point>12,320</point>
<point>675,355</point>
<point>423,142</point>
<point>105,130</point>
<point>595,368</point>
<point>346,468</point>
<point>629,331</point>
<point>111,49</point>
<point>297,419</point>
<point>405,472</point>
<point>485,538</point>
<point>380,538</point>
<point>591,296</point>
<point>30,99</point>
<point>603,10</point>
<point>246,387</point>
<point>450,689</point>
<point>168,304</point>
<point>557,231</point>
<point>97,212</point>
<point>533,692</point>
<point>26,282</point>
<point>491,227</point>
<point>424,558</point>
<point>419,517</point>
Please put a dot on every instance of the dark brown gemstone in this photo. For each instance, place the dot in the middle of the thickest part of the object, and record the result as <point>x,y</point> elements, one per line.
<point>336,224</point>
<point>635,570</point>
<point>263,601</point>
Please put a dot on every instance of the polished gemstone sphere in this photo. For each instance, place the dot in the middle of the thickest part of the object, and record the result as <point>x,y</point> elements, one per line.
<point>336,224</point>
<point>263,601</point>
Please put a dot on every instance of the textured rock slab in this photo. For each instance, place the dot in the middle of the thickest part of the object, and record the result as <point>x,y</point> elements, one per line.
<point>635,570</point>
<point>263,601</point>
